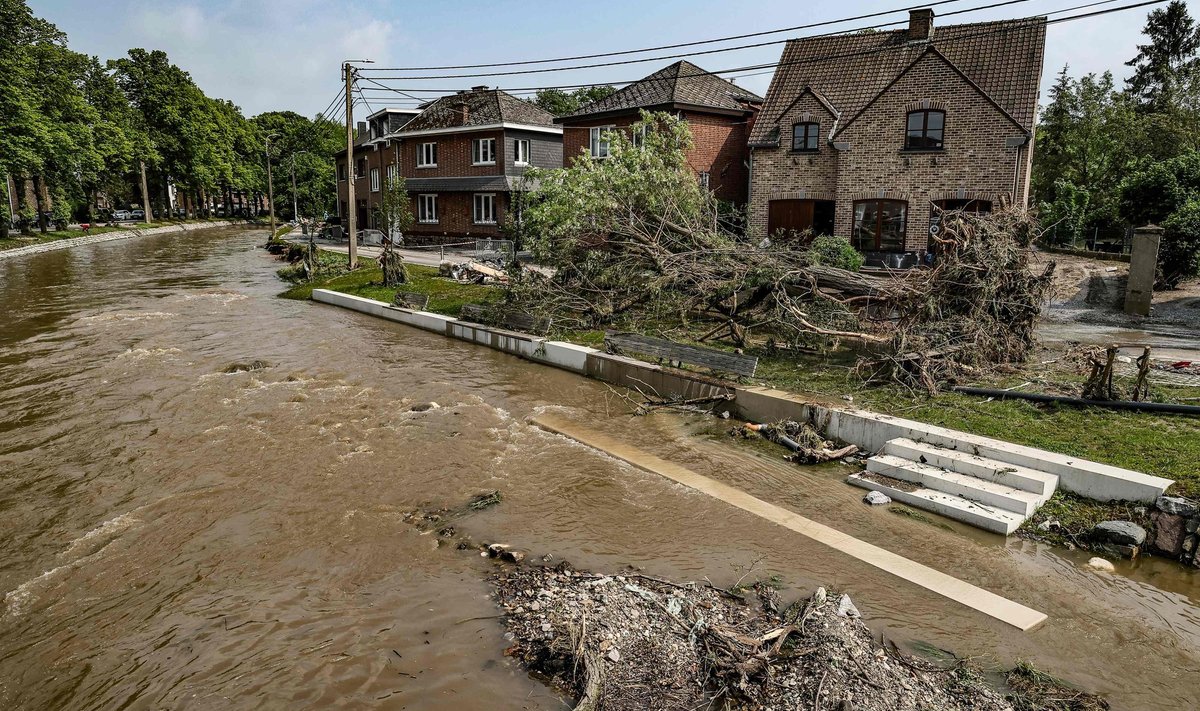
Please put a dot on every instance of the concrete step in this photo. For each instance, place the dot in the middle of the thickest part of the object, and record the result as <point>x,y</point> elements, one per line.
<point>988,493</point>
<point>943,504</point>
<point>1018,477</point>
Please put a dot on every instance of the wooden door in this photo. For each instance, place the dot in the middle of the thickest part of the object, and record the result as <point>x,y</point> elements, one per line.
<point>788,215</point>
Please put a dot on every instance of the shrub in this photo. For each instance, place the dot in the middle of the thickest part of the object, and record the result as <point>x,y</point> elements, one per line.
<point>835,252</point>
<point>1179,254</point>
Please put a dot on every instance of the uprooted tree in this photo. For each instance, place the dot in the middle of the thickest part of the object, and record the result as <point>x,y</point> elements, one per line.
<point>394,216</point>
<point>634,240</point>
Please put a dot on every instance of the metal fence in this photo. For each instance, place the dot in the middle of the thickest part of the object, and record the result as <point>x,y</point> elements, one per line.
<point>1113,240</point>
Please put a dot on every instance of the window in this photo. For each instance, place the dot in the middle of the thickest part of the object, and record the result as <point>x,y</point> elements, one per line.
<point>639,136</point>
<point>427,155</point>
<point>483,151</point>
<point>485,209</point>
<point>521,151</point>
<point>341,171</point>
<point>704,180</point>
<point>374,180</point>
<point>925,130</point>
<point>805,136</point>
<point>391,172</point>
<point>360,168</point>
<point>427,209</point>
<point>599,148</point>
<point>879,225</point>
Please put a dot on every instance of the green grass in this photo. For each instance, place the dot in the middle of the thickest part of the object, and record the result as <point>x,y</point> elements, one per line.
<point>16,240</point>
<point>446,296</point>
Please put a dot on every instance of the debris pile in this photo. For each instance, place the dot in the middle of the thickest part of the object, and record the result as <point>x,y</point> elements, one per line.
<point>474,272</point>
<point>806,442</point>
<point>632,641</point>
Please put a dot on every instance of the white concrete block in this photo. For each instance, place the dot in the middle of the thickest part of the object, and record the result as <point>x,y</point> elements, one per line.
<point>567,356</point>
<point>931,477</point>
<point>1024,478</point>
<point>948,505</point>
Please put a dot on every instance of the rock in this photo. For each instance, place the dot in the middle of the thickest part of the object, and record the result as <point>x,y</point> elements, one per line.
<point>512,556</point>
<point>1049,525</point>
<point>1101,564</point>
<point>1117,550</point>
<point>424,407</point>
<point>1178,506</point>
<point>1169,534</point>
<point>819,596</point>
<point>875,498</point>
<point>1125,533</point>
<point>614,655</point>
<point>495,550</point>
<point>846,608</point>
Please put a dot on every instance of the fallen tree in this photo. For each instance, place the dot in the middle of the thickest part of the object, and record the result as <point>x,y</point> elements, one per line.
<point>634,240</point>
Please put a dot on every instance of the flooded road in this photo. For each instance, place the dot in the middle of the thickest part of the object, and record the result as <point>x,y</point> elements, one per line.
<point>176,536</point>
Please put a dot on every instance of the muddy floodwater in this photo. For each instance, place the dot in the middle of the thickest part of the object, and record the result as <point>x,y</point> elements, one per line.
<point>179,537</point>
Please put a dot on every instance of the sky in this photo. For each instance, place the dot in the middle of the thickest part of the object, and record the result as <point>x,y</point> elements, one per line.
<point>285,54</point>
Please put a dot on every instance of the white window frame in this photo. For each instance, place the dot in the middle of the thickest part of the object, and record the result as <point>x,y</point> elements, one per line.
<point>479,156</point>
<point>479,200</point>
<point>638,137</point>
<point>598,148</point>
<point>391,171</point>
<point>521,151</point>
<point>374,180</point>
<point>427,209</point>
<point>427,155</point>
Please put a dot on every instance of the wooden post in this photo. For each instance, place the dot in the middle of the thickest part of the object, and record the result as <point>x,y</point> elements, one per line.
<point>351,207</point>
<point>146,194</point>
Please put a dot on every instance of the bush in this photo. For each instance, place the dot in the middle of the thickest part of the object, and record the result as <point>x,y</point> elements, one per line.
<point>1179,254</point>
<point>835,252</point>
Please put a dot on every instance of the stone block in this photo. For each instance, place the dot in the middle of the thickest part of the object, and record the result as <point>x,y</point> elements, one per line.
<point>1124,533</point>
<point>1177,505</point>
<point>1169,534</point>
<point>1117,550</point>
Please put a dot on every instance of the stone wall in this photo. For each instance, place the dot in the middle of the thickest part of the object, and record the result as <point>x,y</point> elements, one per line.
<point>1175,530</point>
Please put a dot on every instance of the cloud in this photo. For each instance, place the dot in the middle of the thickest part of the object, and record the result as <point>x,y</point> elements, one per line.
<point>265,56</point>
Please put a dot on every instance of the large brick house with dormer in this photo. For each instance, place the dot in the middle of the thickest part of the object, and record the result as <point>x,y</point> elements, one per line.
<point>871,136</point>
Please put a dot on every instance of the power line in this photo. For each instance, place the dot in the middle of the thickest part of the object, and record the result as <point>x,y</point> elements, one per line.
<point>665,46</point>
<point>660,58</point>
<point>845,55</point>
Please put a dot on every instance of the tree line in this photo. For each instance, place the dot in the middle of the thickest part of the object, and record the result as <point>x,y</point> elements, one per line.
<point>1108,157</point>
<point>78,134</point>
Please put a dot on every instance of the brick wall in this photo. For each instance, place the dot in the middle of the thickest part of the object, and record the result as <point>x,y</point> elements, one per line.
<point>719,148</point>
<point>974,161</point>
<point>456,217</point>
<point>453,155</point>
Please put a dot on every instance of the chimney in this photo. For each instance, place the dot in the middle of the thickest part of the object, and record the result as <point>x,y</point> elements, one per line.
<point>461,112</point>
<point>481,87</point>
<point>920,25</point>
<point>362,128</point>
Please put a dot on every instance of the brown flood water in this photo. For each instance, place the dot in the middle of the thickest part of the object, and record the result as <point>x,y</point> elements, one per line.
<point>177,537</point>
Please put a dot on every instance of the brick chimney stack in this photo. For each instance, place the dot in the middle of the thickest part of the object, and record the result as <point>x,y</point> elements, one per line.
<point>920,25</point>
<point>461,112</point>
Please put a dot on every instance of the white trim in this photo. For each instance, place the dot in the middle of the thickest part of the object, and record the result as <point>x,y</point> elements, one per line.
<point>421,155</point>
<point>475,205</point>
<point>488,127</point>
<point>374,173</point>
<point>477,150</point>
<point>433,203</point>
<point>517,142</point>
<point>596,139</point>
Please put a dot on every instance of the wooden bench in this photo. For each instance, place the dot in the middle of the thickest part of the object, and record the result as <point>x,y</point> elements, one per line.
<point>511,320</point>
<point>672,352</point>
<point>411,300</point>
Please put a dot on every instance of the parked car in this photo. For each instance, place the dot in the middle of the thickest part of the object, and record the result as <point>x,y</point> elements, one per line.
<point>137,215</point>
<point>121,215</point>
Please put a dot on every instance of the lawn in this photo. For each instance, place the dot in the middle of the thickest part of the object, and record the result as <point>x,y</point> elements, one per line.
<point>1162,445</point>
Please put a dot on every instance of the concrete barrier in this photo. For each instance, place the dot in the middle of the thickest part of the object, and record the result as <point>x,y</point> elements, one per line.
<point>869,430</point>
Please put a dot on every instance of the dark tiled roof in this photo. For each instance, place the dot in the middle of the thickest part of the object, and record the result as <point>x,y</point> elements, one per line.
<point>484,107</point>
<point>1004,59</point>
<point>680,83</point>
<point>498,183</point>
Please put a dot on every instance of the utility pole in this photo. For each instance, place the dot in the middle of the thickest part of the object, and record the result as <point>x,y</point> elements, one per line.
<point>295,203</point>
<point>270,186</point>
<point>351,208</point>
<point>146,195</point>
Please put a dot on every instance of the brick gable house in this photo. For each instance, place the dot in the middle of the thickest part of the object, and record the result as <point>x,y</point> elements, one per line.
<point>464,156</point>
<point>871,136</point>
<point>719,113</point>
<point>376,147</point>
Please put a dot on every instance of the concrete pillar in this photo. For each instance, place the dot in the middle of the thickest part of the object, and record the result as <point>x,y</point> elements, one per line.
<point>1143,263</point>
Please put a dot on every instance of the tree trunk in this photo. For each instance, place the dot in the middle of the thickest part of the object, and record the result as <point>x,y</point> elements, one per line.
<point>40,202</point>
<point>146,195</point>
<point>22,206</point>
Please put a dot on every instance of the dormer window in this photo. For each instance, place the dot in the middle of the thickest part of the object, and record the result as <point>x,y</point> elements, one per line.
<point>925,130</point>
<point>806,136</point>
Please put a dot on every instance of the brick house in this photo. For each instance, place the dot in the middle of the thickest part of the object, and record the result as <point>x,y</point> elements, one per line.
<point>719,113</point>
<point>464,156</point>
<point>871,136</point>
<point>376,146</point>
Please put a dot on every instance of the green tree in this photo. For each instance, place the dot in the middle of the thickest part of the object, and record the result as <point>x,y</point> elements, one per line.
<point>561,103</point>
<point>1165,68</point>
<point>1168,194</point>
<point>394,215</point>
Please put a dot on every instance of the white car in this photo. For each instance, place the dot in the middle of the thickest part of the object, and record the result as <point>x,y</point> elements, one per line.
<point>122,215</point>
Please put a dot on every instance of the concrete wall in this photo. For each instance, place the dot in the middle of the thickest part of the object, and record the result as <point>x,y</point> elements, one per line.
<point>108,237</point>
<point>869,430</point>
